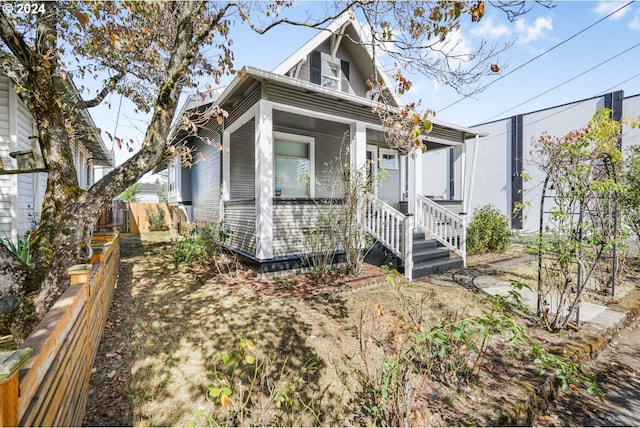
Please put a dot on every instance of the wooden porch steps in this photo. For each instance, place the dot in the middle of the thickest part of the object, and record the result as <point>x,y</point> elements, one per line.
<point>430,257</point>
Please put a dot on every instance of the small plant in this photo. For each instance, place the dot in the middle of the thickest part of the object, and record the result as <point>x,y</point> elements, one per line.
<point>285,282</point>
<point>488,231</point>
<point>155,219</point>
<point>21,248</point>
<point>452,353</point>
<point>196,246</point>
<point>321,243</point>
<point>247,391</point>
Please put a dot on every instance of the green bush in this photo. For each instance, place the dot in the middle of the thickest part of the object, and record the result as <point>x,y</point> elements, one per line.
<point>488,231</point>
<point>155,219</point>
<point>196,246</point>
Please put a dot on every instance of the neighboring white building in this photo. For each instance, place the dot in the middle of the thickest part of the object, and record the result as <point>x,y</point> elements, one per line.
<point>21,195</point>
<point>149,192</point>
<point>506,152</point>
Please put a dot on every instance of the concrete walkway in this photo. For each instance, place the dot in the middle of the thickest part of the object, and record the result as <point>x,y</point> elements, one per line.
<point>485,278</point>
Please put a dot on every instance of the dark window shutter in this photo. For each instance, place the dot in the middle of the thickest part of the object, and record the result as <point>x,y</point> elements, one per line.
<point>344,66</point>
<point>316,67</point>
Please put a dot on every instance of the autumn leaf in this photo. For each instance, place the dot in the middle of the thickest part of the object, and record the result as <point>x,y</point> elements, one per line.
<point>225,401</point>
<point>119,142</point>
<point>46,64</point>
<point>495,68</point>
<point>82,18</point>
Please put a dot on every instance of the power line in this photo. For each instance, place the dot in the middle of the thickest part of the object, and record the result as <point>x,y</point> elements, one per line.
<point>563,83</point>
<point>574,105</point>
<point>538,56</point>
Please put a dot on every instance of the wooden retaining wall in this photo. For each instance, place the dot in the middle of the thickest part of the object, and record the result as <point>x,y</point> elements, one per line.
<point>46,381</point>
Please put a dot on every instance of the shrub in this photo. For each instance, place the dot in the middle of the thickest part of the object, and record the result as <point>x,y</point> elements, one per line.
<point>488,231</point>
<point>196,246</point>
<point>155,219</point>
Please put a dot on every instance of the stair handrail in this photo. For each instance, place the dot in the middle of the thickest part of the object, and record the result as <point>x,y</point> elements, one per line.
<point>389,226</point>
<point>442,224</point>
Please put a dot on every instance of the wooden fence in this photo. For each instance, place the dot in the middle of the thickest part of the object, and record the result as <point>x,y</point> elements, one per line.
<point>46,381</point>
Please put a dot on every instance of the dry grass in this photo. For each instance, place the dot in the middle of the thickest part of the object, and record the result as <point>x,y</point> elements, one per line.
<point>168,323</point>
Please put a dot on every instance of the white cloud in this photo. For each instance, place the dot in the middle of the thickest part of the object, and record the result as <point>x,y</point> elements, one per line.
<point>634,24</point>
<point>489,30</point>
<point>530,33</point>
<point>607,7</point>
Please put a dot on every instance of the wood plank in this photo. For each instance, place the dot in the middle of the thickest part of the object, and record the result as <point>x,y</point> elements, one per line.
<point>47,339</point>
<point>43,407</point>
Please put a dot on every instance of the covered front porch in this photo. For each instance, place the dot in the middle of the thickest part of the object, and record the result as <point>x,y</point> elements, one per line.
<point>282,166</point>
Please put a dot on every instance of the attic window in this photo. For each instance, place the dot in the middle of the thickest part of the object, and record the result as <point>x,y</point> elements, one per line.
<point>329,72</point>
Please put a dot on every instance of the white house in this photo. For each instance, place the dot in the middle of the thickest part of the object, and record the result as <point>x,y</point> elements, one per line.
<point>21,194</point>
<point>264,168</point>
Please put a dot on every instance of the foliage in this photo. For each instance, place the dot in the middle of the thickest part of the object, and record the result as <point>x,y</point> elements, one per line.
<point>452,353</point>
<point>131,193</point>
<point>583,181</point>
<point>246,390</point>
<point>322,242</point>
<point>21,248</point>
<point>488,231</point>
<point>196,246</point>
<point>155,217</point>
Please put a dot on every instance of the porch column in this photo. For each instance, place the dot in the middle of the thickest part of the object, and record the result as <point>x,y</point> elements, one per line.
<point>358,147</point>
<point>415,166</point>
<point>264,179</point>
<point>459,171</point>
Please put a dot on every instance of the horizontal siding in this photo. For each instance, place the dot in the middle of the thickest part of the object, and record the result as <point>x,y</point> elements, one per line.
<point>324,104</point>
<point>240,223</point>
<point>291,223</point>
<point>242,162</point>
<point>205,181</point>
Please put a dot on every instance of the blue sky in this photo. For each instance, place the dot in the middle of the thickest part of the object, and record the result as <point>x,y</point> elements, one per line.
<point>592,63</point>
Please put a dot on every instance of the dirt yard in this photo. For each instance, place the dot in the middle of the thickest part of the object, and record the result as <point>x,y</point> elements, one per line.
<point>169,325</point>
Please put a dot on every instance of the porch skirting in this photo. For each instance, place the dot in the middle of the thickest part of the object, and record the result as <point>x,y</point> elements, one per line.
<point>292,219</point>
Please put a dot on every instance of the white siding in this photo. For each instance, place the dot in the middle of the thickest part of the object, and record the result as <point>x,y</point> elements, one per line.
<point>6,181</point>
<point>242,160</point>
<point>435,175</point>
<point>205,181</point>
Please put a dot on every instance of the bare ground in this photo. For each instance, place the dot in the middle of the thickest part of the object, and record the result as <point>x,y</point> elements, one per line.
<point>168,324</point>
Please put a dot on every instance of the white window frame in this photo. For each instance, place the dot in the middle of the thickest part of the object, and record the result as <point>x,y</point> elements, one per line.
<point>387,152</point>
<point>297,138</point>
<point>327,63</point>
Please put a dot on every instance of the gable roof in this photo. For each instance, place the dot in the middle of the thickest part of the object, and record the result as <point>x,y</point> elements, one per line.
<point>338,27</point>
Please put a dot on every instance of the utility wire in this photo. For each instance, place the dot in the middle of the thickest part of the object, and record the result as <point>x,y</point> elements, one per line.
<point>538,56</point>
<point>574,105</point>
<point>563,83</point>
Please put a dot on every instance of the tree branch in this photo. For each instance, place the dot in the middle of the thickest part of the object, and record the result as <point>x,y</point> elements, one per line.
<point>109,87</point>
<point>15,42</point>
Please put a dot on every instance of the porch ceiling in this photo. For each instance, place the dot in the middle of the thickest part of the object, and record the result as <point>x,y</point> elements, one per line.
<point>308,124</point>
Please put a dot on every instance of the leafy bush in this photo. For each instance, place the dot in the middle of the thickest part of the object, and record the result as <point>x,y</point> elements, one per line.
<point>196,246</point>
<point>488,231</point>
<point>155,219</point>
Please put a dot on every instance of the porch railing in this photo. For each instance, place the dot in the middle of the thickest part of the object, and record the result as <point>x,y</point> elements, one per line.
<point>444,226</point>
<point>392,228</point>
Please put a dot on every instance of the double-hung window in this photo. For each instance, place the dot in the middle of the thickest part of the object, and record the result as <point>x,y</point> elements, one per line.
<point>293,165</point>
